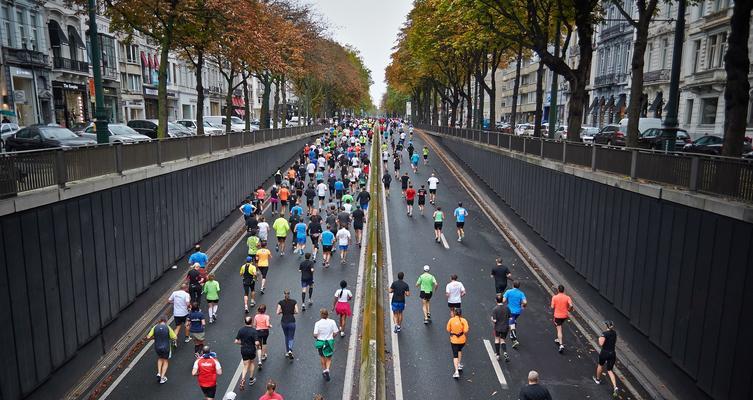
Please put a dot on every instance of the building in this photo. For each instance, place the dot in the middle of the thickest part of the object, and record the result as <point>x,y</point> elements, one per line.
<point>25,78</point>
<point>526,107</point>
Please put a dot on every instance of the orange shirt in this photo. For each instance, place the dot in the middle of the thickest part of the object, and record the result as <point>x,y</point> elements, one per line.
<point>561,303</point>
<point>291,173</point>
<point>260,193</point>
<point>261,321</point>
<point>284,193</point>
<point>262,257</point>
<point>457,325</point>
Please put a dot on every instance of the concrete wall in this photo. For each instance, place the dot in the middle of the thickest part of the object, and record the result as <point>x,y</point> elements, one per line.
<point>679,274</point>
<point>68,268</point>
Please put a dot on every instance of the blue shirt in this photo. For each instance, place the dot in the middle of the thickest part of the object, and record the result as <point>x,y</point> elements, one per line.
<point>300,230</point>
<point>195,318</point>
<point>414,158</point>
<point>296,210</point>
<point>247,209</point>
<point>328,238</point>
<point>319,175</point>
<point>200,258</point>
<point>339,185</point>
<point>515,299</point>
<point>460,214</point>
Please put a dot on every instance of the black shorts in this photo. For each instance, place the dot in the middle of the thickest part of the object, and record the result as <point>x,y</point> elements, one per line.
<point>314,241</point>
<point>163,353</point>
<point>437,224</point>
<point>500,334</point>
<point>500,288</point>
<point>358,227</point>
<point>386,185</point>
<point>248,287</point>
<point>264,271</point>
<point>453,305</point>
<point>213,301</point>
<point>433,191</point>
<point>607,359</point>
<point>559,321</point>
<point>424,295</point>
<point>426,156</point>
<point>262,335</point>
<point>321,198</point>
<point>338,194</point>
<point>180,320</point>
<point>307,283</point>
<point>284,203</point>
<point>460,224</point>
<point>410,202</point>
<point>456,349</point>
<point>209,392</point>
<point>327,248</point>
<point>421,201</point>
<point>248,355</point>
<point>309,201</point>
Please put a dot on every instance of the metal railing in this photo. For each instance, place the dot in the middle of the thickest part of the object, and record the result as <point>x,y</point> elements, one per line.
<point>29,170</point>
<point>715,175</point>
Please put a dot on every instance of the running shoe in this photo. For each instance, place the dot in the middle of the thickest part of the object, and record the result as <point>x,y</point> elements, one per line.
<point>456,375</point>
<point>507,358</point>
<point>596,380</point>
<point>159,378</point>
<point>188,339</point>
<point>163,380</point>
<point>515,344</point>
<point>615,392</point>
<point>561,349</point>
<point>326,376</point>
<point>460,367</point>
<point>252,381</point>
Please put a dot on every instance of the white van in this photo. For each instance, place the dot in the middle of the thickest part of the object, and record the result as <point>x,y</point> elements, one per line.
<point>643,124</point>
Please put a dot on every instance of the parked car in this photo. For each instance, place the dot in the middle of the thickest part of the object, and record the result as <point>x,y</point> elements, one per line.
<point>236,124</point>
<point>558,134</point>
<point>610,135</point>
<point>503,127</point>
<point>119,133</point>
<point>712,144</point>
<point>7,129</point>
<point>643,124</point>
<point>524,129</point>
<point>45,137</point>
<point>654,138</point>
<point>148,127</point>
<point>587,133</point>
<point>209,129</point>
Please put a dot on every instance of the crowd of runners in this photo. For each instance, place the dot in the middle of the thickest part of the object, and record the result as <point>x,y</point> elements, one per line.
<point>319,203</point>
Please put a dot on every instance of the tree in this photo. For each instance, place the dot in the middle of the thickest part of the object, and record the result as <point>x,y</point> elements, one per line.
<point>737,90</point>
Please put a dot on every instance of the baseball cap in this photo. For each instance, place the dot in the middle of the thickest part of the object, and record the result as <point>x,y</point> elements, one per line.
<point>426,267</point>
<point>249,258</point>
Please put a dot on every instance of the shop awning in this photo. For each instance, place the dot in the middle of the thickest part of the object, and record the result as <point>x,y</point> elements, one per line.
<point>155,62</point>
<point>621,101</point>
<point>57,36</point>
<point>75,37</point>
<point>144,62</point>
<point>238,102</point>
<point>592,108</point>
<point>610,104</point>
<point>657,103</point>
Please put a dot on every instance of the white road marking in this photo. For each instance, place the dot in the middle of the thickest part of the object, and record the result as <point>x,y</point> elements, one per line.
<point>236,378</point>
<point>444,241</point>
<point>395,346</point>
<point>495,364</point>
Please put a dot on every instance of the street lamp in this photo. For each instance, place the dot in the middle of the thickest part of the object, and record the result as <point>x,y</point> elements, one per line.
<point>100,113</point>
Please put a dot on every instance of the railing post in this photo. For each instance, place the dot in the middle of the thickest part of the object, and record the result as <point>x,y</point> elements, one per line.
<point>211,142</point>
<point>188,148</point>
<point>593,157</point>
<point>227,142</point>
<point>119,158</point>
<point>633,163</point>
<point>695,166</point>
<point>159,152</point>
<point>564,151</point>
<point>61,173</point>
<point>498,135</point>
<point>509,143</point>
<point>541,148</point>
<point>524,145</point>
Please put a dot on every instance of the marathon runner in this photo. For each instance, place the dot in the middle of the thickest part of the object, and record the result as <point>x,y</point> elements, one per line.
<point>387,180</point>
<point>454,292</point>
<point>607,356</point>
<point>425,152</point>
<point>324,332</point>
<point>562,304</point>
<point>501,322</point>
<point>516,302</point>
<point>341,305</point>
<point>438,221</point>
<point>196,323</point>
<point>404,181</point>
<point>414,159</point>
<point>433,182</point>
<point>247,337</point>
<point>181,301</point>
<point>458,328</point>
<point>421,199</point>
<point>410,196</point>
<point>343,240</point>
<point>206,368</point>
<point>307,280</point>
<point>328,240</point>
<point>281,228</point>
<point>501,274</point>
<point>358,217</point>
<point>262,326</point>
<point>426,284</point>
<point>164,337</point>
<point>287,308</point>
<point>248,272</point>
<point>211,292</point>
<point>262,264</point>
<point>400,290</point>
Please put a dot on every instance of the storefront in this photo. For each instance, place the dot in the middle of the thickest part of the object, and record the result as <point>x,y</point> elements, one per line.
<point>24,97</point>
<point>150,102</point>
<point>71,103</point>
<point>111,103</point>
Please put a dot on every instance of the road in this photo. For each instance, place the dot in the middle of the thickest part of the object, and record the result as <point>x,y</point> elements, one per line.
<point>425,366</point>
<point>298,379</point>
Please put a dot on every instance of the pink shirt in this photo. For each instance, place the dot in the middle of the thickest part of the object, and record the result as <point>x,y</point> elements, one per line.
<point>273,396</point>
<point>261,321</point>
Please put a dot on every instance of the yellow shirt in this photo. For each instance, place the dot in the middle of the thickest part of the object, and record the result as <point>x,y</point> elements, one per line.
<point>262,257</point>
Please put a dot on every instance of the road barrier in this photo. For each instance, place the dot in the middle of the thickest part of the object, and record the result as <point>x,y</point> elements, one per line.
<point>28,170</point>
<point>715,175</point>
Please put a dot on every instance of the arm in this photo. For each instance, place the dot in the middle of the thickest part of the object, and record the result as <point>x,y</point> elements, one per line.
<point>279,309</point>
<point>602,339</point>
<point>150,335</point>
<point>173,336</point>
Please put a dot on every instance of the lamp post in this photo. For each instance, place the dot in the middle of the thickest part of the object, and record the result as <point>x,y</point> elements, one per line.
<point>100,113</point>
<point>673,103</point>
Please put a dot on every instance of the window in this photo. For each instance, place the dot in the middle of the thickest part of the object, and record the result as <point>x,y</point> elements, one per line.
<point>134,83</point>
<point>708,110</point>
<point>696,56</point>
<point>688,111</point>
<point>123,81</point>
<point>718,5</point>
<point>131,53</point>
<point>664,53</point>
<point>650,56</point>
<point>7,39</point>
<point>715,47</point>
<point>20,21</point>
<point>33,36</point>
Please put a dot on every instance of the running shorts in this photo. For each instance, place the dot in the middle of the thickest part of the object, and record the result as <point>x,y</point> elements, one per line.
<point>425,156</point>
<point>284,203</point>
<point>398,306</point>
<point>307,283</point>
<point>421,201</point>
<point>248,287</point>
<point>410,202</point>
<point>262,335</point>
<point>209,392</point>
<point>513,318</point>
<point>500,334</point>
<point>309,201</point>
<point>433,191</point>
<point>460,224</point>
<point>327,248</point>
<point>314,241</point>
<point>343,247</point>
<point>180,320</point>
<point>500,288</point>
<point>248,355</point>
<point>264,271</point>
<point>215,301</point>
<point>607,359</point>
<point>300,239</point>
<point>453,305</point>
<point>338,194</point>
<point>321,198</point>
<point>425,295</point>
<point>358,227</point>
<point>456,349</point>
<point>559,321</point>
<point>437,224</point>
<point>163,352</point>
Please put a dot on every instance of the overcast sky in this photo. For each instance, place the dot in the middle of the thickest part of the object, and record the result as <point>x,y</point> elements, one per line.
<point>371,27</point>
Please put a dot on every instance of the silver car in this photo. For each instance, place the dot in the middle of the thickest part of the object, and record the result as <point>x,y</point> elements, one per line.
<point>587,133</point>
<point>119,133</point>
<point>209,129</point>
<point>7,129</point>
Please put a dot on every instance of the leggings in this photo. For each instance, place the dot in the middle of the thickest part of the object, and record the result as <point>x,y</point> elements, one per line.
<point>288,329</point>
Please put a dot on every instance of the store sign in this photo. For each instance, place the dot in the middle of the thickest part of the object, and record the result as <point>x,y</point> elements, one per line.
<point>150,92</point>
<point>20,72</point>
<point>19,96</point>
<point>68,86</point>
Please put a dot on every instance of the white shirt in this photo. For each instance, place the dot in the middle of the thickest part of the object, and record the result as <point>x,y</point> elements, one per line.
<point>181,300</point>
<point>356,171</point>
<point>348,207</point>
<point>322,162</point>
<point>402,135</point>
<point>355,161</point>
<point>322,189</point>
<point>385,155</point>
<point>311,168</point>
<point>433,181</point>
<point>343,237</point>
<point>325,329</point>
<point>343,295</point>
<point>263,230</point>
<point>455,291</point>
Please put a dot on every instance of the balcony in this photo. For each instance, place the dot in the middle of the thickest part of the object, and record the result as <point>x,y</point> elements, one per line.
<point>610,79</point>
<point>612,31</point>
<point>29,58</point>
<point>110,74</point>
<point>70,65</point>
<point>657,76</point>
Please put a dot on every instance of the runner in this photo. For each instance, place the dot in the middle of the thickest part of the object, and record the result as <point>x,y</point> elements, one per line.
<point>534,391</point>
<point>427,284</point>
<point>287,308</point>
<point>198,257</point>
<point>247,337</point>
<point>454,292</point>
<point>253,242</point>
<point>284,194</point>
<point>343,240</point>
<point>248,272</point>
<point>607,356</point>
<point>516,302</point>
<point>328,240</point>
<point>400,290</point>
<point>307,279</point>
<point>196,327</point>
<point>246,208</point>
<point>164,337</point>
<point>358,217</point>
<point>321,192</point>
<point>310,194</point>
<point>438,220</point>
<point>181,301</point>
<point>422,199</point>
<point>425,152</point>
<point>262,264</point>
<point>404,183</point>
<point>260,195</point>
<point>314,231</point>
<point>501,274</point>
<point>433,183</point>
<point>212,293</point>
<point>195,280</point>
<point>410,196</point>
<point>300,237</point>
<point>341,306</point>
<point>206,368</point>
<point>562,305</point>
<point>339,191</point>
<point>501,322</point>
<point>386,181</point>
<point>458,328</point>
<point>324,332</point>
<point>274,198</point>
<point>281,228</point>
<point>262,326</point>
<point>263,229</point>
<point>460,213</point>
<point>271,393</point>
<point>396,164</point>
<point>414,159</point>
<point>363,198</point>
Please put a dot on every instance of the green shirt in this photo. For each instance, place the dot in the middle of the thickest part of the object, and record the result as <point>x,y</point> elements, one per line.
<point>212,290</point>
<point>438,216</point>
<point>426,282</point>
<point>426,151</point>
<point>253,244</point>
<point>281,227</point>
<point>347,199</point>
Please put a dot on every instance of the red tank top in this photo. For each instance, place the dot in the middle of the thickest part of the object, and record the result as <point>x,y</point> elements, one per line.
<point>207,368</point>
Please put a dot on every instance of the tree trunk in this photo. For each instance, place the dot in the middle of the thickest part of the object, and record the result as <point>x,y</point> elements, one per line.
<point>229,100</point>
<point>246,101</point>
<point>493,99</point>
<point>636,84</point>
<point>276,112</point>
<point>539,100</point>
<point>199,66</point>
<point>266,81</point>
<point>516,88</point>
<point>434,111</point>
<point>469,103</point>
<point>578,78</point>
<point>736,94</point>
<point>480,107</point>
<point>284,104</point>
<point>164,63</point>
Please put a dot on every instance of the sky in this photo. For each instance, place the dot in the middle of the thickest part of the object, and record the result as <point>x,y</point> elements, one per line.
<point>371,26</point>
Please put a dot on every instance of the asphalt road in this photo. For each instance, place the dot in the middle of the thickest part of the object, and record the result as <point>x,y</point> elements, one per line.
<point>425,363</point>
<point>298,379</point>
